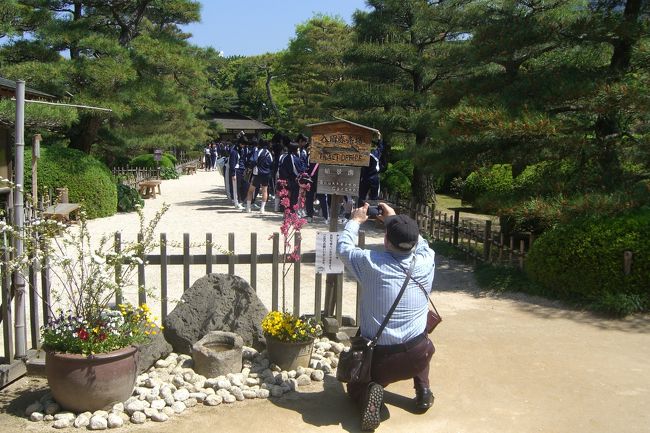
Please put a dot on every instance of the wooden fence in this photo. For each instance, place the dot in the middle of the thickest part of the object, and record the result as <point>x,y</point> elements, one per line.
<point>132,176</point>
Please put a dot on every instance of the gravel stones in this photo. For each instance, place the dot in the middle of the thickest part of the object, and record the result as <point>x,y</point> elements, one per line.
<point>114,421</point>
<point>98,423</point>
<point>138,418</point>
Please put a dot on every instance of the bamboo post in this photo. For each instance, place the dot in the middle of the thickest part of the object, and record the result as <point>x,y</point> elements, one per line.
<point>231,257</point>
<point>296,276</point>
<point>487,240</point>
<point>142,294</point>
<point>117,245</point>
<point>208,253</point>
<point>522,253</point>
<point>163,276</point>
<point>254,261</point>
<point>318,287</point>
<point>275,266</point>
<point>456,218</point>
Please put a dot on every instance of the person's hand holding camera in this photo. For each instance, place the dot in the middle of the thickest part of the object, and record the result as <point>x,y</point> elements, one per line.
<point>386,211</point>
<point>360,214</point>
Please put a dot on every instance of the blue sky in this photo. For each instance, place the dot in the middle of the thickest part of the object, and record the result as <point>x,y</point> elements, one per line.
<point>249,27</point>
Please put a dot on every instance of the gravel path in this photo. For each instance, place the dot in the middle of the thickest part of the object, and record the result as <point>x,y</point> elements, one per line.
<point>509,363</point>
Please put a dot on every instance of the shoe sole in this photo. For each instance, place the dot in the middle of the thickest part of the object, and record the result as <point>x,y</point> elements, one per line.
<point>370,419</point>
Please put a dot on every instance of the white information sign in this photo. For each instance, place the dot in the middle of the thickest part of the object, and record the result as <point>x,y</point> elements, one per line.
<point>327,261</point>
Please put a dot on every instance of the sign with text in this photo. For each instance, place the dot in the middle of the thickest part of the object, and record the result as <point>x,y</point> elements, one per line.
<point>341,143</point>
<point>338,179</point>
<point>327,261</point>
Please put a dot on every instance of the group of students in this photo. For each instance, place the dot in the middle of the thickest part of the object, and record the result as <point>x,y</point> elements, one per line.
<point>254,166</point>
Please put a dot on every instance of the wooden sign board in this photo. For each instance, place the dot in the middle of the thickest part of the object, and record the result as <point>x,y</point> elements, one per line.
<point>338,179</point>
<point>340,143</point>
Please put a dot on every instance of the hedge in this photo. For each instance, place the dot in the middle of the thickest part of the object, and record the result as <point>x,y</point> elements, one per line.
<point>583,260</point>
<point>147,161</point>
<point>88,180</point>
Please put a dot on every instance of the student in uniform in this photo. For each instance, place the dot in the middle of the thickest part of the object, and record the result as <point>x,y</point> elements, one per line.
<point>206,158</point>
<point>262,161</point>
<point>369,182</point>
<point>236,172</point>
<point>289,169</point>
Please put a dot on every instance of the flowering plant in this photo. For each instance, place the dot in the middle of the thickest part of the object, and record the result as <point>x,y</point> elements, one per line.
<point>86,278</point>
<point>285,326</point>
<point>110,330</point>
<point>289,328</point>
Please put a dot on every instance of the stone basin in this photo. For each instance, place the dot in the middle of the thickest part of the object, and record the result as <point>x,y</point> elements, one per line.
<point>218,353</point>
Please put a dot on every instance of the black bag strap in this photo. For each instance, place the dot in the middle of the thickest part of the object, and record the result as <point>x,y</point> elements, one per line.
<point>373,342</point>
<point>423,290</point>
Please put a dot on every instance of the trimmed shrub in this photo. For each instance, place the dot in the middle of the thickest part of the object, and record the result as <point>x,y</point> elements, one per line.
<point>583,261</point>
<point>490,184</point>
<point>147,161</point>
<point>168,173</point>
<point>88,180</point>
<point>128,198</point>
<point>397,178</point>
<point>172,157</point>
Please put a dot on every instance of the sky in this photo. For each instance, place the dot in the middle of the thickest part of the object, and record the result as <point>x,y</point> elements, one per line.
<point>251,27</point>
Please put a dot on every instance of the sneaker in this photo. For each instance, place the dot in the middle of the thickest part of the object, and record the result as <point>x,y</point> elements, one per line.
<point>256,206</point>
<point>238,206</point>
<point>326,222</point>
<point>423,399</point>
<point>371,408</point>
<point>262,211</point>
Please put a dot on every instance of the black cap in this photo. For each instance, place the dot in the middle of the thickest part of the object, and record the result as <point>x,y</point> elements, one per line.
<point>402,231</point>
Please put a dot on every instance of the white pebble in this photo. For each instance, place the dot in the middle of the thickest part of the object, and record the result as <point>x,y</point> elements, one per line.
<point>158,404</point>
<point>48,418</point>
<point>252,381</point>
<point>61,423</point>
<point>213,400</point>
<point>229,399</point>
<point>114,421</point>
<point>65,415</point>
<point>318,375</point>
<point>223,392</point>
<point>162,363</point>
<point>149,411</point>
<point>249,393</point>
<point>168,411</point>
<point>179,406</point>
<point>237,392</point>
<point>138,418</point>
<point>190,402</point>
<point>81,421</point>
<point>181,395</point>
<point>134,406</point>
<point>98,423</point>
<point>36,416</point>
<point>118,407</point>
<point>159,417</point>
<point>101,413</point>
<point>303,380</point>
<point>224,384</point>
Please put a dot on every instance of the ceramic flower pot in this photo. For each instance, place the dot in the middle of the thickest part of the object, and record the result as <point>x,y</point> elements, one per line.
<point>289,355</point>
<point>87,383</point>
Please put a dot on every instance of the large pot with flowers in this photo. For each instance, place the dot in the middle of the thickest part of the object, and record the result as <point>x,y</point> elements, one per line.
<point>289,339</point>
<point>91,358</point>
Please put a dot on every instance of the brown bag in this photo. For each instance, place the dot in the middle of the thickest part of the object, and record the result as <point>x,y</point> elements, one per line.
<point>433,319</point>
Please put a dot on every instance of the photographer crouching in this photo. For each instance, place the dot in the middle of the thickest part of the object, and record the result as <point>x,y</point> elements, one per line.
<point>395,285</point>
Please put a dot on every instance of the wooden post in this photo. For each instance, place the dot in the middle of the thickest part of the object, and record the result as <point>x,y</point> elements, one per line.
<point>208,253</point>
<point>522,253</point>
<point>318,287</point>
<point>36,153</point>
<point>231,257</point>
<point>117,243</point>
<point>186,261</point>
<point>45,289</point>
<point>331,279</point>
<point>254,261</point>
<point>296,276</point>
<point>275,266</point>
<point>142,294</point>
<point>456,220</point>
<point>163,276</point>
<point>627,262</point>
<point>487,240</point>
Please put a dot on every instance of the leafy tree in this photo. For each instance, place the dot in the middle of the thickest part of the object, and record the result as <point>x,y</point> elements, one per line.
<point>130,56</point>
<point>312,65</point>
<point>403,52</point>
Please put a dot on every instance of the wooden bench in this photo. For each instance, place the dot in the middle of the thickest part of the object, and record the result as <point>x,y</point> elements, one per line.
<point>149,188</point>
<point>189,169</point>
<point>62,211</point>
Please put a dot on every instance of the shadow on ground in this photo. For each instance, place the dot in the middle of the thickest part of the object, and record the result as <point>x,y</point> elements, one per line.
<point>331,406</point>
<point>15,399</point>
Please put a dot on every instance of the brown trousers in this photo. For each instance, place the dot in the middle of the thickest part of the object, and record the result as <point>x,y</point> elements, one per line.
<point>391,364</point>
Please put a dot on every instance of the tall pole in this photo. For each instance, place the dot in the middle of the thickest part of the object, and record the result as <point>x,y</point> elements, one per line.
<point>19,217</point>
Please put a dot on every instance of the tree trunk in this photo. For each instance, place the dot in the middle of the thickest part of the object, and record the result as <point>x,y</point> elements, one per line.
<point>422,184</point>
<point>620,61</point>
<point>269,93</point>
<point>84,134</point>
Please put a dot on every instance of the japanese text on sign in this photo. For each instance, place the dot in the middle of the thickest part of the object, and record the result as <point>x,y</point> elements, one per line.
<point>327,260</point>
<point>336,179</point>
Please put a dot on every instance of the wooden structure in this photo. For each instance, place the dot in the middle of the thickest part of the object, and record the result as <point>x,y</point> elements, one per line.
<point>64,212</point>
<point>149,188</point>
<point>234,123</point>
<point>341,142</point>
<point>189,169</point>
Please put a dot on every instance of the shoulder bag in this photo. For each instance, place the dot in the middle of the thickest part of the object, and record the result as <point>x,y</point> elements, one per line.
<point>355,364</point>
<point>433,318</point>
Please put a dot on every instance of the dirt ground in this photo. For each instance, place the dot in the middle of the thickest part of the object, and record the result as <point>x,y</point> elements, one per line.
<point>503,363</point>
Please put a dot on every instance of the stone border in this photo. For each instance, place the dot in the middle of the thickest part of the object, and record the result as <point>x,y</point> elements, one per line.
<point>171,387</point>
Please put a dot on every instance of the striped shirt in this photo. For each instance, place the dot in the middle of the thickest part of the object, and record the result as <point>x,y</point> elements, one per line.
<point>381,279</point>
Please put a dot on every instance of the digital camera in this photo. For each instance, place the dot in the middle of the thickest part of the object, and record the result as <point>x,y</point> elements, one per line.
<point>375,211</point>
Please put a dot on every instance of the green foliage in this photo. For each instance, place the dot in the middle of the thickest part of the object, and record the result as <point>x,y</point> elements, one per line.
<point>128,198</point>
<point>506,279</point>
<point>490,184</point>
<point>87,179</point>
<point>171,157</point>
<point>583,260</point>
<point>168,173</point>
<point>147,161</point>
<point>397,178</point>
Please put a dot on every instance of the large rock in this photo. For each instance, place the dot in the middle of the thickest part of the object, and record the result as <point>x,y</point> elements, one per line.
<point>153,350</point>
<point>216,302</point>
